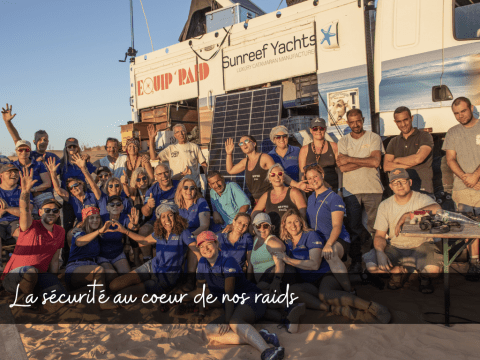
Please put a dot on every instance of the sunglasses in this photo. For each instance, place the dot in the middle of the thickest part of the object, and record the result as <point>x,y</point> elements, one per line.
<point>262,226</point>
<point>117,204</point>
<point>247,141</point>
<point>23,150</point>
<point>318,128</point>
<point>71,146</point>
<point>143,178</point>
<point>278,137</point>
<point>189,187</point>
<point>53,211</point>
<point>112,185</point>
<point>104,176</point>
<point>73,186</point>
<point>272,174</point>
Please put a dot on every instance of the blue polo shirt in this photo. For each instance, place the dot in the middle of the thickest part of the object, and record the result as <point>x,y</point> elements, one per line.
<point>102,204</point>
<point>229,203</point>
<point>37,167</point>
<point>111,244</point>
<point>224,268</point>
<point>320,216</point>
<point>192,214</point>
<point>91,250</point>
<point>238,251</point>
<point>73,171</point>
<point>309,240</point>
<point>12,198</point>
<point>89,200</point>
<point>171,253</point>
<point>289,161</point>
<point>159,195</point>
<point>48,155</point>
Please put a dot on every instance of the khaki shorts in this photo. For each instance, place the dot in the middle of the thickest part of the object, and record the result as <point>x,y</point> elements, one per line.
<point>468,197</point>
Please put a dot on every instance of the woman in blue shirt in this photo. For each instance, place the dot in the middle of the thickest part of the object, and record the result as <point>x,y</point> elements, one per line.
<point>113,187</point>
<point>237,243</point>
<point>325,211</point>
<point>305,253</point>
<point>160,274</point>
<point>68,165</point>
<point>224,276</point>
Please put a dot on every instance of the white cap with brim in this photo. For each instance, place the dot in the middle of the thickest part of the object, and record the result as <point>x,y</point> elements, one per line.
<point>262,218</point>
<point>23,143</point>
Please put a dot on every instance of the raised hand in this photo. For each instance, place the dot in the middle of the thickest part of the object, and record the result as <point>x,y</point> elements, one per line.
<point>26,181</point>
<point>51,165</point>
<point>151,131</point>
<point>7,114</point>
<point>229,146</point>
<point>145,160</point>
<point>134,216</point>
<point>79,160</point>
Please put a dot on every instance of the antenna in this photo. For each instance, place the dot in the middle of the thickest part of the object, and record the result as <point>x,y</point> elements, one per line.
<point>131,50</point>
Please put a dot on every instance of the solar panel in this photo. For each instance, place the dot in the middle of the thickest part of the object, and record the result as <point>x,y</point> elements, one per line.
<point>254,113</point>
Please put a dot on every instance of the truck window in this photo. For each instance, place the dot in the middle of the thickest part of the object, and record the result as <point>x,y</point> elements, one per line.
<point>466,20</point>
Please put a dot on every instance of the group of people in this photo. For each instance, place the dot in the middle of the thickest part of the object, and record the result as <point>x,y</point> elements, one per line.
<point>302,220</point>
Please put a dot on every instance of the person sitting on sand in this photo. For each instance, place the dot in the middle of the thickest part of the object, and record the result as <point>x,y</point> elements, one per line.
<point>304,252</point>
<point>238,242</point>
<point>224,276</point>
<point>160,274</point>
<point>401,252</point>
<point>113,187</point>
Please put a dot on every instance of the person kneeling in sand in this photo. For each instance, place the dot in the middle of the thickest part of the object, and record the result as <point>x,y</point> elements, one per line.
<point>401,251</point>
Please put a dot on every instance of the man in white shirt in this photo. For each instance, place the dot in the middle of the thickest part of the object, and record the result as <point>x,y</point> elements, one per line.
<point>183,158</point>
<point>114,161</point>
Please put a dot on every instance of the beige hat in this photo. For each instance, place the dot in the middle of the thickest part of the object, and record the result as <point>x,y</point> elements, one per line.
<point>23,143</point>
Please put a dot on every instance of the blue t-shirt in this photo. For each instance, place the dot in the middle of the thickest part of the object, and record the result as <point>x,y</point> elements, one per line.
<point>289,161</point>
<point>238,251</point>
<point>73,171</point>
<point>91,250</point>
<point>48,155</point>
<point>37,167</point>
<point>111,244</point>
<point>102,204</point>
<point>159,195</point>
<point>224,268</point>
<point>12,198</point>
<point>192,214</point>
<point>309,240</point>
<point>170,254</point>
<point>320,216</point>
<point>229,203</point>
<point>78,206</point>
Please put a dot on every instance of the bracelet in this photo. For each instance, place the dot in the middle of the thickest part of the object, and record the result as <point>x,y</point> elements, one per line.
<point>128,233</point>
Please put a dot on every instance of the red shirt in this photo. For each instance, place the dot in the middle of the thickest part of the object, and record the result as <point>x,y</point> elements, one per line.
<point>36,247</point>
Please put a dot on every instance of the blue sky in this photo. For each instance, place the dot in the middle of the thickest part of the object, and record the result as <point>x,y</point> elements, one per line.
<point>60,68</point>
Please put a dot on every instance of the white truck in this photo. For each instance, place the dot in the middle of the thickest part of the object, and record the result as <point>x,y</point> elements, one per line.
<point>328,56</point>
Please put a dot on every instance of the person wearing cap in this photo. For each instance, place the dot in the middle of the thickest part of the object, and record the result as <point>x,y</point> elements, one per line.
<point>40,173</point>
<point>400,251</point>
<point>238,242</point>
<point>68,168</point>
<point>223,275</point>
<point>412,150</point>
<point>40,138</point>
<point>135,160</point>
<point>183,157</point>
<point>38,246</point>
<point>113,187</point>
<point>9,205</point>
<point>102,173</point>
<point>161,274</point>
<point>359,157</point>
<point>228,199</point>
<point>304,251</point>
<point>283,153</point>
<point>82,268</point>
<point>114,160</point>
<point>322,152</point>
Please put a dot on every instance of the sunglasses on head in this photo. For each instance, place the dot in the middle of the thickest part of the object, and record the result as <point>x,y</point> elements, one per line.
<point>73,186</point>
<point>318,128</point>
<point>247,141</point>
<point>278,137</point>
<point>143,178</point>
<point>23,150</point>
<point>262,226</point>
<point>280,173</point>
<point>53,211</point>
<point>117,204</point>
<point>189,187</point>
<point>104,176</point>
<point>113,185</point>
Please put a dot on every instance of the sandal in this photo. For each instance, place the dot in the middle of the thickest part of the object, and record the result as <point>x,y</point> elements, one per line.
<point>426,286</point>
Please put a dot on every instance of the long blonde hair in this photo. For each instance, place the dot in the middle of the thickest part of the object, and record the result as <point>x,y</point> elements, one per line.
<point>135,174</point>
<point>284,234</point>
<point>179,193</point>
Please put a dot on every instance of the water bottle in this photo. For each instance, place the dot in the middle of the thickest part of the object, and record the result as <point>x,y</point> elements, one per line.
<point>446,216</point>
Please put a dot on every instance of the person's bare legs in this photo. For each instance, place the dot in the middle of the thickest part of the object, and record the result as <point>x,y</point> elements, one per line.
<point>124,281</point>
<point>29,280</point>
<point>88,274</point>
<point>110,272</point>
<point>122,266</point>
<point>146,250</point>
<point>338,267</point>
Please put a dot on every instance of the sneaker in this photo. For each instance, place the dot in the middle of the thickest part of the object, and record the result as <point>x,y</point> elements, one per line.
<point>275,353</point>
<point>355,268</point>
<point>270,338</point>
<point>473,273</point>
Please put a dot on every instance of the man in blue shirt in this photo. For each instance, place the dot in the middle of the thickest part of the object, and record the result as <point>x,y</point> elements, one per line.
<point>284,154</point>
<point>228,199</point>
